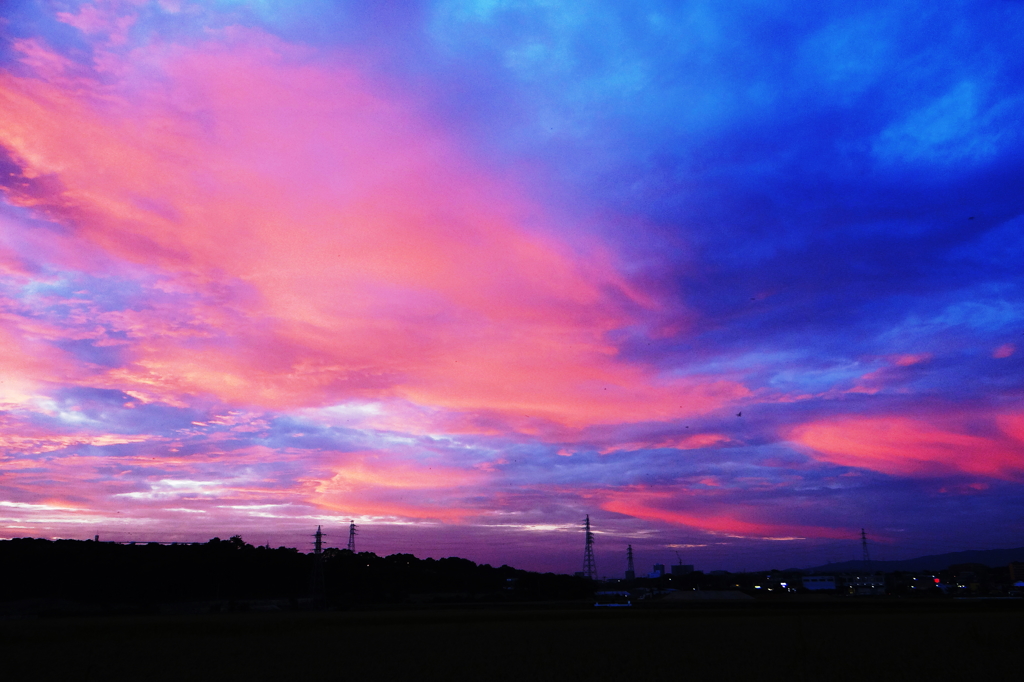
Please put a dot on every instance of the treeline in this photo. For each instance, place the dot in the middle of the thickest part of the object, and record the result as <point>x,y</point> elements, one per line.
<point>234,572</point>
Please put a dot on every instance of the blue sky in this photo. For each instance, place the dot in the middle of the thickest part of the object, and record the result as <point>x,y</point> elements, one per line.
<point>734,279</point>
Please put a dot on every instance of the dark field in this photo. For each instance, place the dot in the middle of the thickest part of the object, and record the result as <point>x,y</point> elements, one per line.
<point>947,641</point>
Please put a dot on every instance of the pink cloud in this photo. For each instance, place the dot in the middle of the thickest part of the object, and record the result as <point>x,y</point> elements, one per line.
<point>28,363</point>
<point>686,509</point>
<point>908,446</point>
<point>337,247</point>
<point>692,442</point>
<point>1004,351</point>
<point>112,18</point>
<point>908,360</point>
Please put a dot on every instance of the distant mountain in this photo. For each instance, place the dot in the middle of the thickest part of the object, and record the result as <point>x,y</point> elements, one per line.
<point>933,562</point>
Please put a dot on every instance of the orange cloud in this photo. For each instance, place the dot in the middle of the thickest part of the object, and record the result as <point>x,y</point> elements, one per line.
<point>379,484</point>
<point>370,470</point>
<point>913,447</point>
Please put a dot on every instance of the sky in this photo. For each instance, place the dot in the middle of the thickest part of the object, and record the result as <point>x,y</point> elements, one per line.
<point>736,280</point>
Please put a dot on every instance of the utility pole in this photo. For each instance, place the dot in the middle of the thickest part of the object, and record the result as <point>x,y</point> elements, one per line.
<point>630,571</point>
<point>864,548</point>
<point>589,568</point>
<point>318,568</point>
<point>352,537</point>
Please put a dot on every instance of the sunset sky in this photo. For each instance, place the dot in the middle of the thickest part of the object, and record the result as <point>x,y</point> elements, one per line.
<point>736,279</point>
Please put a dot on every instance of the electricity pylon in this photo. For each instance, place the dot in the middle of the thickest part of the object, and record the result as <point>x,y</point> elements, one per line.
<point>589,568</point>
<point>318,568</point>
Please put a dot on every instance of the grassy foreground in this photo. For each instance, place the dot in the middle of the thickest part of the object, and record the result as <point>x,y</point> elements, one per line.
<point>951,641</point>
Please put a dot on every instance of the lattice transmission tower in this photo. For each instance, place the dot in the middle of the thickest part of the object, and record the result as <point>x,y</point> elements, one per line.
<point>352,537</point>
<point>589,567</point>
<point>317,579</point>
<point>864,548</point>
<point>630,571</point>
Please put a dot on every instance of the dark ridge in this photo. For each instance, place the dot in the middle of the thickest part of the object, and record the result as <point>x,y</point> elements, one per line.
<point>234,573</point>
<point>932,562</point>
